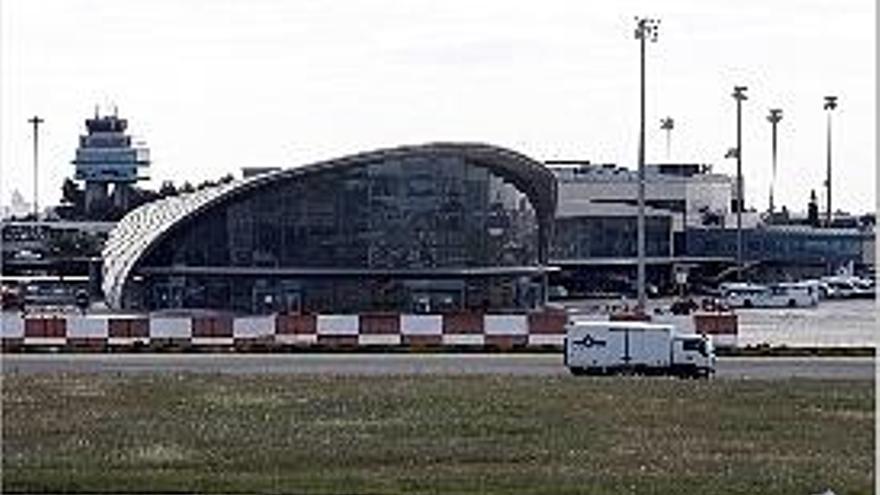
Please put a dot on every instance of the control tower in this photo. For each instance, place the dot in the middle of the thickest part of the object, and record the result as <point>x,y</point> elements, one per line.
<point>106,157</point>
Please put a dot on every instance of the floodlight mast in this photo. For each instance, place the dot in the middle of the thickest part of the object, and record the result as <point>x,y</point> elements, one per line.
<point>36,121</point>
<point>646,29</point>
<point>830,105</point>
<point>739,95</point>
<point>774,118</point>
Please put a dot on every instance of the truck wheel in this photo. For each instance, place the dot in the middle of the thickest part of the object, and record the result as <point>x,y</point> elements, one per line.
<point>747,303</point>
<point>791,303</point>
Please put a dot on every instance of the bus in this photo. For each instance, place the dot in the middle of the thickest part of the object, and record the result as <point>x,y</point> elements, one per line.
<point>781,295</point>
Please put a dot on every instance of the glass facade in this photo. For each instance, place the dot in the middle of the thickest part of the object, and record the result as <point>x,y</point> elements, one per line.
<point>795,246</point>
<point>609,237</point>
<point>419,232</point>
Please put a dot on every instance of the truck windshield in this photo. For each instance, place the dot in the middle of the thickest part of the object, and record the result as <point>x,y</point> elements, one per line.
<point>695,345</point>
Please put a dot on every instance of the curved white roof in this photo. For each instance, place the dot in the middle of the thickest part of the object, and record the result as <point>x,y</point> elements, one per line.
<point>144,226</point>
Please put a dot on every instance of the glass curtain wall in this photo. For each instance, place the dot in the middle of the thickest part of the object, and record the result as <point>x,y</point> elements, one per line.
<point>418,213</point>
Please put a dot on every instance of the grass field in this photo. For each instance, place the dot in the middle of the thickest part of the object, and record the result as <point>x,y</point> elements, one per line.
<point>444,434</point>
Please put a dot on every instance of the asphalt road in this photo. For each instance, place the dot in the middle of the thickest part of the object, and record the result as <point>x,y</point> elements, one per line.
<point>391,364</point>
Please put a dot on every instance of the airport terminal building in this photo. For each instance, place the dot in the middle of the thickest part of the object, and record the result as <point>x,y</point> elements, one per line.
<point>431,228</point>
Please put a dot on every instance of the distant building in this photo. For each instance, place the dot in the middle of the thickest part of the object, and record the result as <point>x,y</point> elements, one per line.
<point>692,193</point>
<point>106,157</point>
<point>690,222</point>
<point>595,231</point>
<point>63,251</point>
<point>594,245</point>
<point>433,228</point>
<point>18,208</point>
<point>776,252</point>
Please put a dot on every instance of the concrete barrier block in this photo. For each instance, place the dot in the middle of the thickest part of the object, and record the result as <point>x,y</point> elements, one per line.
<point>337,341</point>
<point>506,342</point>
<point>170,328</point>
<point>421,324</point>
<point>252,327</point>
<point>53,328</point>
<point>422,340</point>
<point>87,327</point>
<point>296,324</point>
<point>13,326</point>
<point>213,341</point>
<point>541,340</point>
<point>716,323</point>
<point>547,322</point>
<point>338,325</point>
<point>506,325</point>
<point>45,341</point>
<point>463,323</point>
<point>464,339</point>
<point>87,344</point>
<point>379,339</point>
<point>298,339</point>
<point>128,341</point>
<point>129,328</point>
<point>380,323</point>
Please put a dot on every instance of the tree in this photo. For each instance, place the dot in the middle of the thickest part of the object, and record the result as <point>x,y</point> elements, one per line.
<point>167,189</point>
<point>73,196</point>
<point>813,210</point>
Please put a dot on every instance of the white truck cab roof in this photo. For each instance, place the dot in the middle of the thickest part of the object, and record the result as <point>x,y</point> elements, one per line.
<point>620,325</point>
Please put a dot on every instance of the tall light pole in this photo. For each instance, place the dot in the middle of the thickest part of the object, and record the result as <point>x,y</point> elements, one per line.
<point>36,121</point>
<point>830,105</point>
<point>667,125</point>
<point>774,118</point>
<point>739,95</point>
<point>646,29</point>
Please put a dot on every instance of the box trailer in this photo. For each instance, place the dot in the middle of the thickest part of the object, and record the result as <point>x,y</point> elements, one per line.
<point>611,347</point>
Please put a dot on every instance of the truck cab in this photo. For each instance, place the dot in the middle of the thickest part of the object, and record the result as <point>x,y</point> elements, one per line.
<point>692,355</point>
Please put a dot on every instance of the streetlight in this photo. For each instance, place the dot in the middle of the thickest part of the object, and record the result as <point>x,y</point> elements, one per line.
<point>36,121</point>
<point>667,125</point>
<point>739,95</point>
<point>774,118</point>
<point>830,105</point>
<point>646,29</point>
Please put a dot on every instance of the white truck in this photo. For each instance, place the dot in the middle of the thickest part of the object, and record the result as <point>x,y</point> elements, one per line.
<point>609,347</point>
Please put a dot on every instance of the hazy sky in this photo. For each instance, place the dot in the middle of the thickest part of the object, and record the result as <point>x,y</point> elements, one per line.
<point>212,86</point>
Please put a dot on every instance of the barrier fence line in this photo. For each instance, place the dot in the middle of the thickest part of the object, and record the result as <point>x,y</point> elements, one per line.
<point>501,331</point>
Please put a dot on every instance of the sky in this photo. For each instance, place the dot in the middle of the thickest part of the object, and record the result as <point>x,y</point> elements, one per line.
<point>216,85</point>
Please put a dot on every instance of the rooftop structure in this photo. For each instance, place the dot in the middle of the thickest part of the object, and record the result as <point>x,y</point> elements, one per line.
<point>693,193</point>
<point>106,156</point>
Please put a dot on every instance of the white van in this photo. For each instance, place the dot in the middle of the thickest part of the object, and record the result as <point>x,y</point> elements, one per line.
<point>608,347</point>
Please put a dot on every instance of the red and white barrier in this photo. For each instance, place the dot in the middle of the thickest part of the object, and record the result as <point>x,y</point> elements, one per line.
<point>296,330</point>
<point>128,332</point>
<point>507,331</point>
